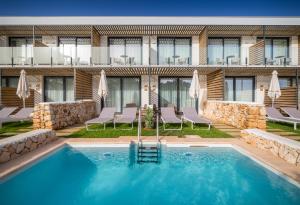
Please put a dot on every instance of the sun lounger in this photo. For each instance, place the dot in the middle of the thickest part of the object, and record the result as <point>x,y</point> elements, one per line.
<point>6,111</point>
<point>128,116</point>
<point>106,115</point>
<point>190,114</point>
<point>274,115</point>
<point>168,117</point>
<point>22,115</point>
<point>292,112</point>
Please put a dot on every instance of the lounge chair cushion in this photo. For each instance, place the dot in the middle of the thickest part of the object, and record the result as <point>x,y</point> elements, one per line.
<point>274,114</point>
<point>106,115</point>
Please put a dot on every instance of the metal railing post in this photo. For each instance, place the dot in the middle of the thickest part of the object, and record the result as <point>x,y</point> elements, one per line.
<point>139,126</point>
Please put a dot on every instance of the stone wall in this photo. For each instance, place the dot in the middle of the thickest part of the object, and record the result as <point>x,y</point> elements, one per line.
<point>285,148</point>
<point>13,147</point>
<point>59,115</point>
<point>238,114</point>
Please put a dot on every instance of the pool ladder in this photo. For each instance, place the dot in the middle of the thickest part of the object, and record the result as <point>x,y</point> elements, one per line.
<point>148,152</point>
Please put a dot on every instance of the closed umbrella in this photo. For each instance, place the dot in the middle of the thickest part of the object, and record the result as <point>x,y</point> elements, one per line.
<point>103,89</point>
<point>23,90</point>
<point>274,89</point>
<point>195,86</point>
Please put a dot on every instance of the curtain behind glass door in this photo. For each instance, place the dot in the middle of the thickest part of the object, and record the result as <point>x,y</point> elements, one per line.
<point>182,51</point>
<point>215,51</point>
<point>229,89</point>
<point>184,98</point>
<point>168,91</point>
<point>54,89</point>
<point>231,49</point>
<point>113,98</point>
<point>67,47</point>
<point>117,50</point>
<point>244,89</point>
<point>134,51</point>
<point>131,91</point>
<point>83,51</point>
<point>280,48</point>
<point>165,51</point>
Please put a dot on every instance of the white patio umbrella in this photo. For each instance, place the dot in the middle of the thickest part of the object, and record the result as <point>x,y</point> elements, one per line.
<point>194,90</point>
<point>103,89</point>
<point>23,90</point>
<point>274,89</point>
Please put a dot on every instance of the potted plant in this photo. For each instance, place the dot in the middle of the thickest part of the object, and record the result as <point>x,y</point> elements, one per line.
<point>149,122</point>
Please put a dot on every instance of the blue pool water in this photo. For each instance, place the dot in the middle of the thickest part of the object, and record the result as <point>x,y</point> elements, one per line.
<point>90,176</point>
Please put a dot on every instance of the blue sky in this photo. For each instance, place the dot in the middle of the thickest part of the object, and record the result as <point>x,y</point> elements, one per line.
<point>150,8</point>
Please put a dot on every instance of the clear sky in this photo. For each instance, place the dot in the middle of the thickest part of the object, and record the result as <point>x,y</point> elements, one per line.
<point>150,8</point>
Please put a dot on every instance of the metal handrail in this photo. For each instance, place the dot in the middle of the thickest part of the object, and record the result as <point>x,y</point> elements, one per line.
<point>157,127</point>
<point>139,126</point>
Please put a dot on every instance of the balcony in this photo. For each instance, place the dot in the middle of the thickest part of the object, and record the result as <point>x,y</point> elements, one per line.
<point>88,56</point>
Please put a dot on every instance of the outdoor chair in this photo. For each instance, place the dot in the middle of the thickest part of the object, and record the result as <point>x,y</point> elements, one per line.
<point>292,112</point>
<point>24,114</point>
<point>168,117</point>
<point>6,111</point>
<point>190,114</point>
<point>106,115</point>
<point>128,117</point>
<point>274,115</point>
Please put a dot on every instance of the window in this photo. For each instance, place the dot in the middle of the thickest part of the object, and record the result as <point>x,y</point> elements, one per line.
<point>276,49</point>
<point>239,89</point>
<point>22,51</point>
<point>125,51</point>
<point>58,89</point>
<point>223,50</point>
<point>11,82</point>
<point>174,51</point>
<point>175,91</point>
<point>76,48</point>
<point>122,91</point>
<point>287,82</point>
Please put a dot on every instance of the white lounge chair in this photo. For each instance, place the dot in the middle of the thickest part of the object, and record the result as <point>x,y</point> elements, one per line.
<point>6,111</point>
<point>22,115</point>
<point>106,115</point>
<point>274,115</point>
<point>292,112</point>
<point>168,117</point>
<point>128,117</point>
<point>190,114</point>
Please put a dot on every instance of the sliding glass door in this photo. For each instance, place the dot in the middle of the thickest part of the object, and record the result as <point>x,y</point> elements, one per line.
<point>276,49</point>
<point>125,51</point>
<point>175,91</point>
<point>58,89</point>
<point>223,50</point>
<point>123,91</point>
<point>240,89</point>
<point>174,51</point>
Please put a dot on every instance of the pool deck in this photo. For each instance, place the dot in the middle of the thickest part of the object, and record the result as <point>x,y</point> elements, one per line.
<point>259,155</point>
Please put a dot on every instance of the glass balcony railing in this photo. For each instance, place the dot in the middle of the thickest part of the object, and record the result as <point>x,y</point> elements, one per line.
<point>253,57</point>
<point>118,56</point>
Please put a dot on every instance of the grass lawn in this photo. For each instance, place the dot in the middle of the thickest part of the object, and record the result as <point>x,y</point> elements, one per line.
<point>12,128</point>
<point>283,126</point>
<point>109,132</point>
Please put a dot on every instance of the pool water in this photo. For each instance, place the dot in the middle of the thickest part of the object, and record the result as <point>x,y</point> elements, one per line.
<point>90,176</point>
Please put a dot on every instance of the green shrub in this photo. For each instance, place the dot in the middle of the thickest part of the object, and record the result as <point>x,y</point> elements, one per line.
<point>149,122</point>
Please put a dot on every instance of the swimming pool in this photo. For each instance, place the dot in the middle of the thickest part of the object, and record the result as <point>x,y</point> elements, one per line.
<point>199,175</point>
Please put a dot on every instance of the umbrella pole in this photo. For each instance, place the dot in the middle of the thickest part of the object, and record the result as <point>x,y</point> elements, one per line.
<point>23,102</point>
